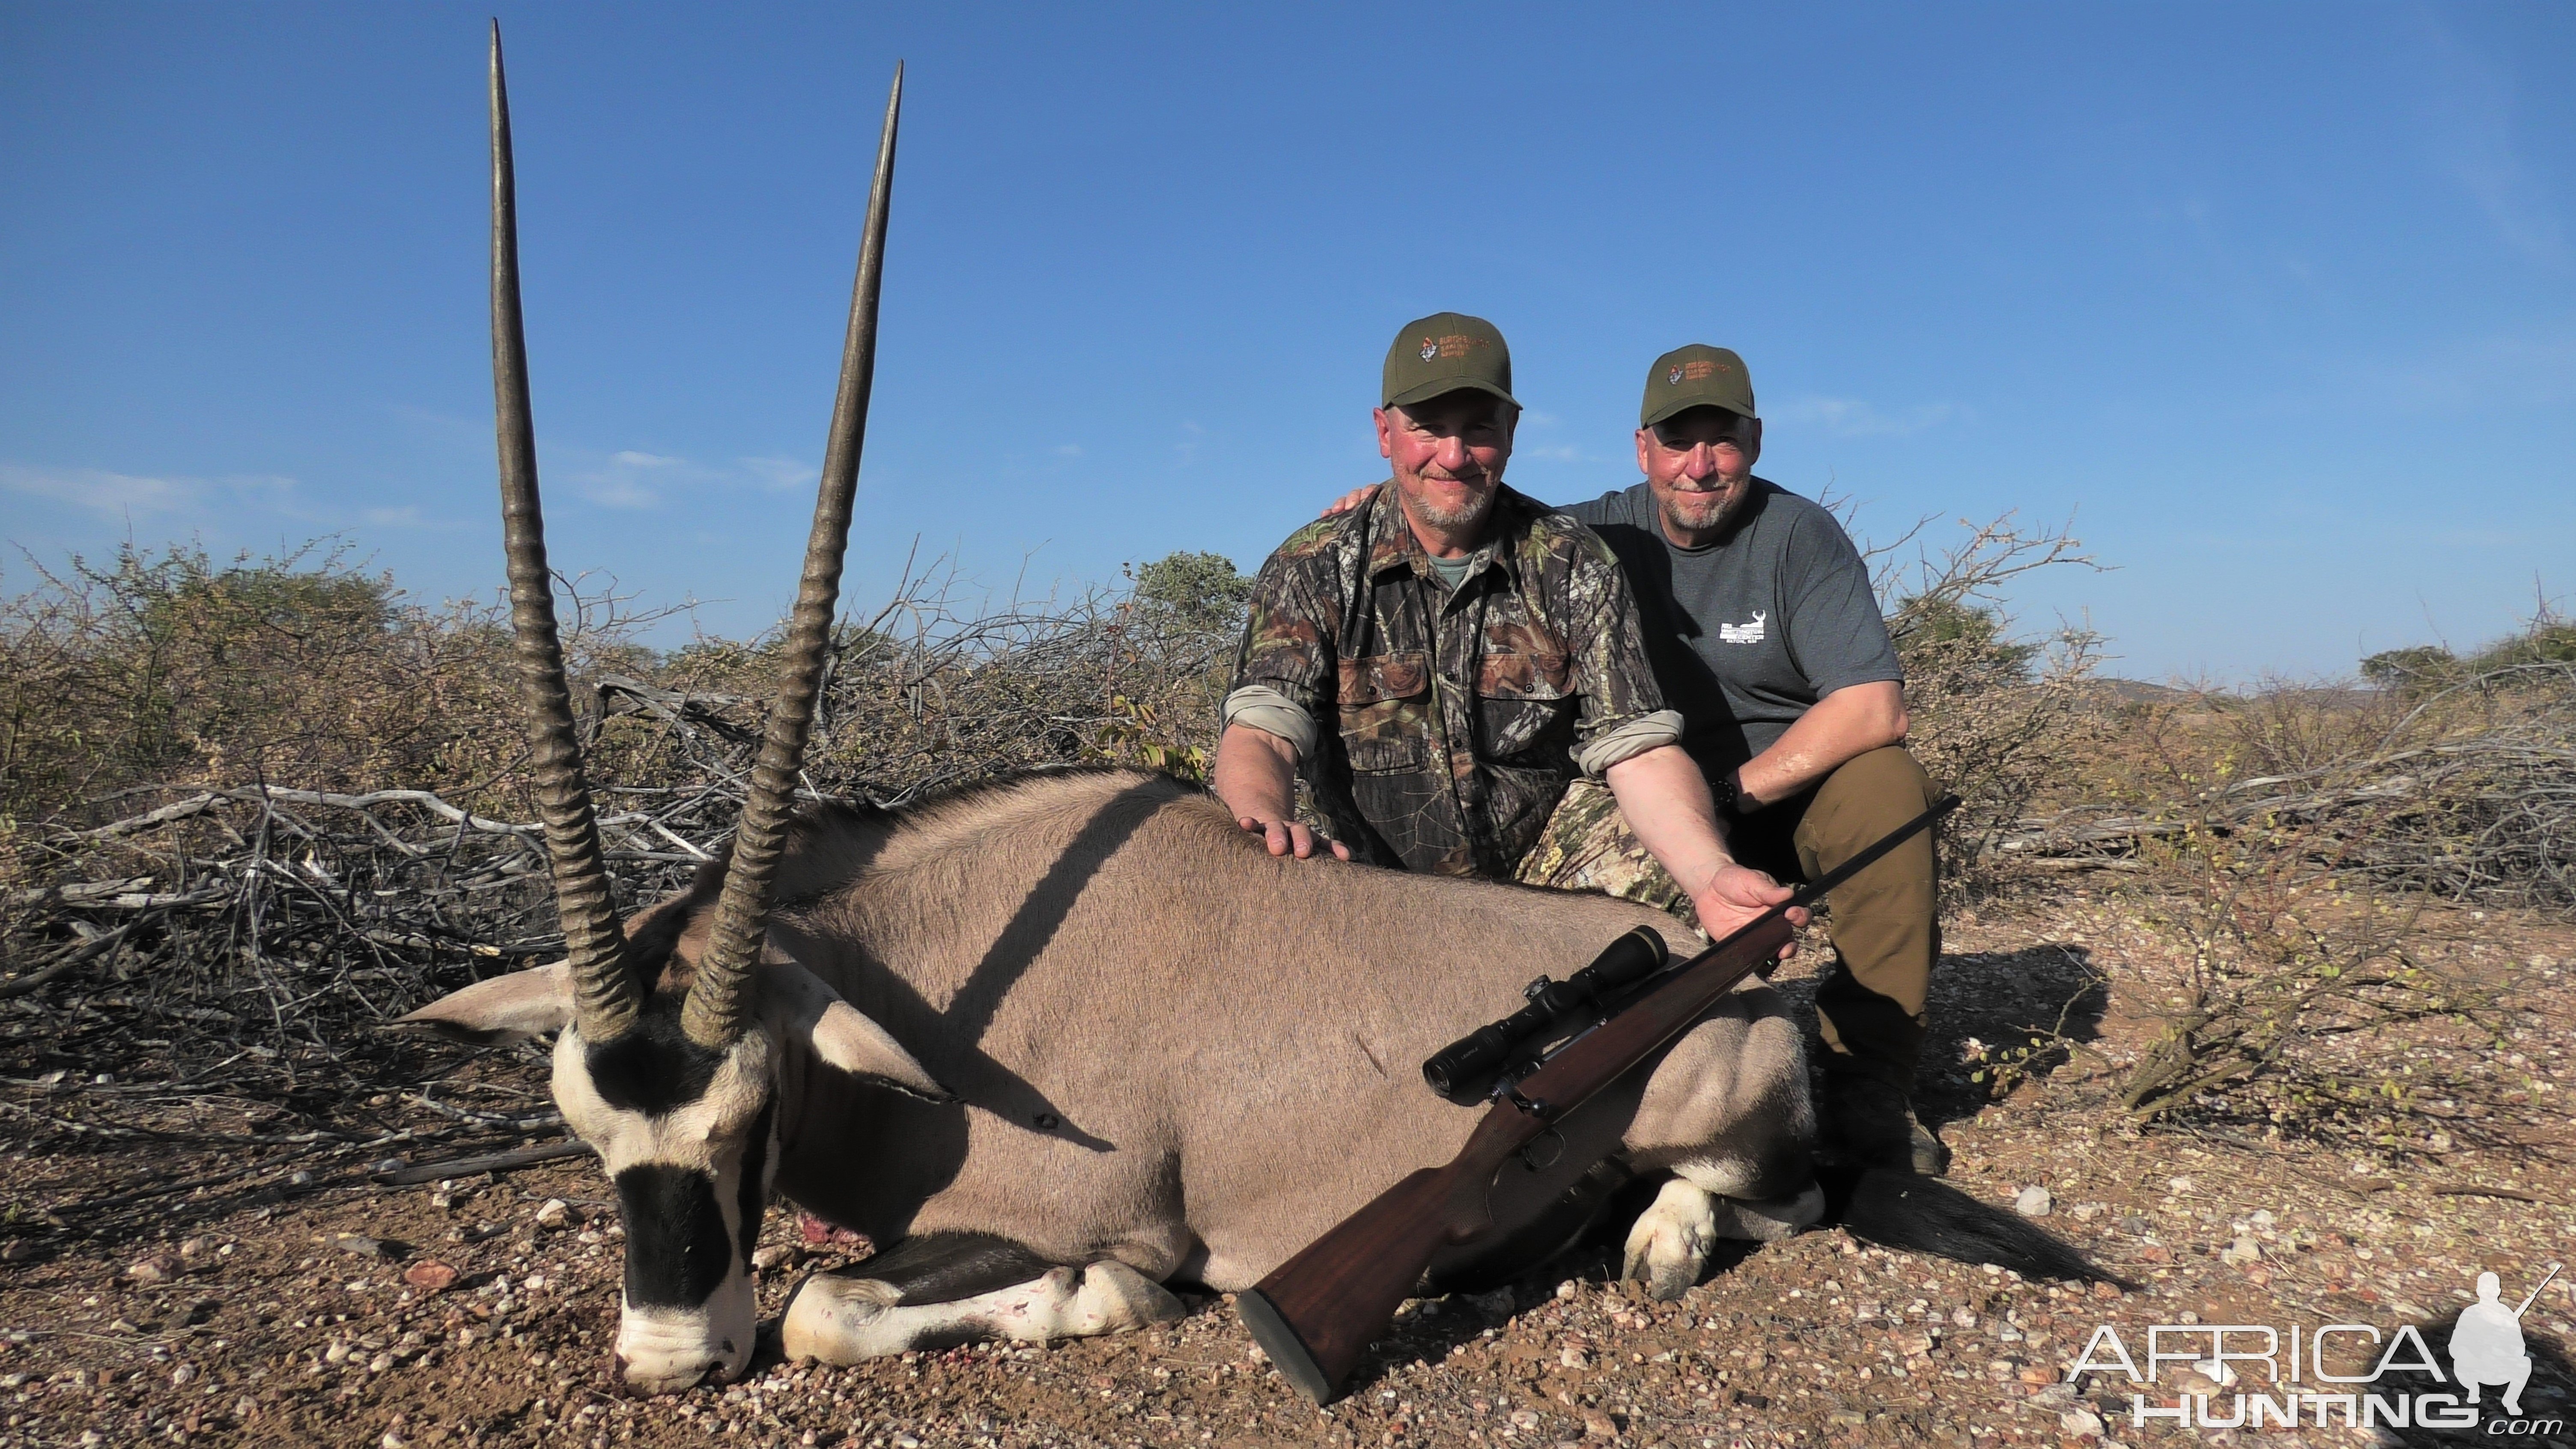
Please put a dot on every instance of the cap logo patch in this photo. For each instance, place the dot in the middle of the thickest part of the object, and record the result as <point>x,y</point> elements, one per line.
<point>1430,349</point>
<point>1455,344</point>
<point>1694,371</point>
<point>1675,375</point>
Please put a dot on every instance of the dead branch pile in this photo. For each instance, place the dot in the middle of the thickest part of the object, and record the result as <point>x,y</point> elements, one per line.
<point>296,914</point>
<point>298,895</point>
<point>236,943</point>
<point>208,974</point>
<point>2295,985</point>
<point>2311,849</point>
<point>2468,792</point>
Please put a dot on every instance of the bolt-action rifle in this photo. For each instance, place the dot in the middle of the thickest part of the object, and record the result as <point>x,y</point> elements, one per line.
<point>1319,1311</point>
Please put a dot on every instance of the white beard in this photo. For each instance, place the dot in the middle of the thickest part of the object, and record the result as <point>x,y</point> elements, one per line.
<point>1466,517</point>
<point>1458,518</point>
<point>1699,512</point>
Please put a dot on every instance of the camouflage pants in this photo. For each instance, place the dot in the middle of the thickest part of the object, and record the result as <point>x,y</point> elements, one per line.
<point>1587,846</point>
<point>1885,932</point>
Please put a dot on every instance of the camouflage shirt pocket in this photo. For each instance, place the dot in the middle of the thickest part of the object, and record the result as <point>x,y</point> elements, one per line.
<point>1522,702</point>
<point>1386,713</point>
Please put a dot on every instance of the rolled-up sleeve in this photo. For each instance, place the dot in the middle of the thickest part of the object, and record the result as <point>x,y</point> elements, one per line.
<point>1272,712</point>
<point>1650,731</point>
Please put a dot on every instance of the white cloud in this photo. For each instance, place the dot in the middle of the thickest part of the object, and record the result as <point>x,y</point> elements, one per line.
<point>632,478</point>
<point>1852,417</point>
<point>779,473</point>
<point>127,495</point>
<point>1068,450</point>
<point>612,491</point>
<point>116,495</point>
<point>2470,133</point>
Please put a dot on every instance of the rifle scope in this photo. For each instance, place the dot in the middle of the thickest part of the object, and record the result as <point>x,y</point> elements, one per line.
<point>1456,1069</point>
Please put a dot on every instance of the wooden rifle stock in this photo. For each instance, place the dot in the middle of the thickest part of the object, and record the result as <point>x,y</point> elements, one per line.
<point>1317,1313</point>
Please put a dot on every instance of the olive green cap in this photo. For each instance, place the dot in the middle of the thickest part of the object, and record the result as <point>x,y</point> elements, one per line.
<point>1442,353</point>
<point>1697,376</point>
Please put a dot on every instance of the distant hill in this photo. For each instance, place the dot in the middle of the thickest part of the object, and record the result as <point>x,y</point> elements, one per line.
<point>2138,691</point>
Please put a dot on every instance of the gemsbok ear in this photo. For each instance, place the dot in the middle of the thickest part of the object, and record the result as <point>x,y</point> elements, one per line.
<point>502,1010</point>
<point>797,1002</point>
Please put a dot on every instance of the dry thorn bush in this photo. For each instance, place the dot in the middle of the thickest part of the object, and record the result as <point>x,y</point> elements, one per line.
<point>250,811</point>
<point>295,797</point>
<point>294,794</point>
<point>2322,856</point>
<point>1995,719</point>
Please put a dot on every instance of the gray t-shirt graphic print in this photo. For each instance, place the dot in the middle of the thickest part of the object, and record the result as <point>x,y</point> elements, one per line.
<point>1748,633</point>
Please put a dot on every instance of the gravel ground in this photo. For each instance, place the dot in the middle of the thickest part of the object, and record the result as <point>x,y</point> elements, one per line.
<point>480,1313</point>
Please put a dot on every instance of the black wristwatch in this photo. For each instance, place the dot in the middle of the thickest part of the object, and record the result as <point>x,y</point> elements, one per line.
<point>1730,798</point>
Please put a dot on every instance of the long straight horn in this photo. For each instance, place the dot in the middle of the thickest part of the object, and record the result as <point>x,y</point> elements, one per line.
<point>604,1000</point>
<point>718,1004</point>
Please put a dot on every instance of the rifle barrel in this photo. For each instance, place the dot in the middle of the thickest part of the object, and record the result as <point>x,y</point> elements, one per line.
<point>2535,1292</point>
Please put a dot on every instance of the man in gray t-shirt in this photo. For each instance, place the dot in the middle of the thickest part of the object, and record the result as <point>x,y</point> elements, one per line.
<point>1764,633</point>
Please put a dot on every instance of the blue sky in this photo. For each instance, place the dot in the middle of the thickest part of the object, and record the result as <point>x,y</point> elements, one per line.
<point>2279,301</point>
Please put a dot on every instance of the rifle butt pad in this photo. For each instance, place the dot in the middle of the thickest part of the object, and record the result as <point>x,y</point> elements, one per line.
<point>1288,1353</point>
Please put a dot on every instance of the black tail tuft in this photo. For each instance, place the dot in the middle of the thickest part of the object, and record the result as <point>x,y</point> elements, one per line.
<point>1926,1215</point>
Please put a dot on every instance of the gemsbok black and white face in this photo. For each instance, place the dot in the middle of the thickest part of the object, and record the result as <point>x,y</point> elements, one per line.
<point>673,1076</point>
<point>689,1136</point>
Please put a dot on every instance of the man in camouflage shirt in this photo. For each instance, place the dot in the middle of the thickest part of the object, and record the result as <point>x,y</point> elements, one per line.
<point>1444,664</point>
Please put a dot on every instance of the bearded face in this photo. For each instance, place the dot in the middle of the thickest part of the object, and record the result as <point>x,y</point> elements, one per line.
<point>1700,465</point>
<point>1448,455</point>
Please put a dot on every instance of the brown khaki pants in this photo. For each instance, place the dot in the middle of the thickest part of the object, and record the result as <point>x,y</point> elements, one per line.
<point>1884,924</point>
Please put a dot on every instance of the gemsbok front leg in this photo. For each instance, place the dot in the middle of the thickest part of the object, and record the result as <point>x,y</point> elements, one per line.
<point>939,1290</point>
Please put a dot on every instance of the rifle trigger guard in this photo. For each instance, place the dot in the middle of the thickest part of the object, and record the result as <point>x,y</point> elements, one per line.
<point>1556,1152</point>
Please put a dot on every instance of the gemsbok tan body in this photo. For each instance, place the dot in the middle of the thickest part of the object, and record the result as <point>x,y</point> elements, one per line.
<point>1118,1034</point>
<point>1054,1040</point>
